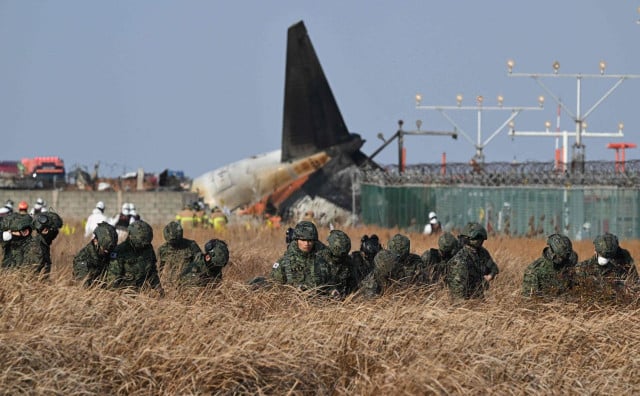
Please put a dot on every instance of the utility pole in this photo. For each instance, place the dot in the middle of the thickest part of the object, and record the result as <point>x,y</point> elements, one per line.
<point>579,116</point>
<point>479,108</point>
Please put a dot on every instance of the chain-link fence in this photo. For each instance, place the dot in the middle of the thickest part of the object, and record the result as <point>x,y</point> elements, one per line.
<point>531,199</point>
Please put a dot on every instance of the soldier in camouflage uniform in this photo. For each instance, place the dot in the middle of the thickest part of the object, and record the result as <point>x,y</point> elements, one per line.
<point>300,266</point>
<point>44,235</point>
<point>206,268</point>
<point>435,260</point>
<point>472,268</point>
<point>611,269</point>
<point>553,273</point>
<point>336,255</point>
<point>386,264</point>
<point>363,261</point>
<point>133,262</point>
<point>22,249</point>
<point>410,263</point>
<point>176,253</point>
<point>92,260</point>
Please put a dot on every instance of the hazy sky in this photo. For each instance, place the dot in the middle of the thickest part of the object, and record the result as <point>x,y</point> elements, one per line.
<point>192,85</point>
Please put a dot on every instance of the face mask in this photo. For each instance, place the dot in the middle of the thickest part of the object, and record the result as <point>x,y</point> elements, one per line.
<point>6,236</point>
<point>602,260</point>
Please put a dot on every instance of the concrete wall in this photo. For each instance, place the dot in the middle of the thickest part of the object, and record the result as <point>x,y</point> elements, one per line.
<point>155,207</point>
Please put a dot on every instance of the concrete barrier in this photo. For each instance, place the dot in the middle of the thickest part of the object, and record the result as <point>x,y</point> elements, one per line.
<point>155,207</point>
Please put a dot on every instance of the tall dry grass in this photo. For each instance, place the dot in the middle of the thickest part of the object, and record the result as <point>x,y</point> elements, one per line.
<point>58,338</point>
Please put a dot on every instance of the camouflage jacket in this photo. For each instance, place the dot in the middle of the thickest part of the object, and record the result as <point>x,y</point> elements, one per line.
<point>340,270</point>
<point>129,267</point>
<point>435,266</point>
<point>300,269</point>
<point>544,278</point>
<point>467,270</point>
<point>620,270</point>
<point>44,265</point>
<point>200,272</point>
<point>88,265</point>
<point>360,268</point>
<point>174,258</point>
<point>26,252</point>
<point>411,269</point>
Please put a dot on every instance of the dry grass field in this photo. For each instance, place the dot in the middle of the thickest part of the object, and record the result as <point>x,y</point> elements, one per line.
<point>58,338</point>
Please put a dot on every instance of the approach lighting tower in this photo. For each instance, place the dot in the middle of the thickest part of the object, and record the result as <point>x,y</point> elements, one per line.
<point>579,117</point>
<point>479,108</point>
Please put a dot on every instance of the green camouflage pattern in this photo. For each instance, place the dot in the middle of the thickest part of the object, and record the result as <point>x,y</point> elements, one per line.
<point>173,232</point>
<point>305,230</point>
<point>201,272</point>
<point>617,275</point>
<point>339,243</point>
<point>606,245</point>
<point>132,266</point>
<point>448,244</point>
<point>140,234</point>
<point>474,231</point>
<point>560,245</point>
<point>360,268</point>
<point>300,269</point>
<point>218,250</point>
<point>386,265</point>
<point>549,278</point>
<point>400,245</point>
<point>89,265</point>
<point>467,270</point>
<point>340,267</point>
<point>174,257</point>
<point>106,236</point>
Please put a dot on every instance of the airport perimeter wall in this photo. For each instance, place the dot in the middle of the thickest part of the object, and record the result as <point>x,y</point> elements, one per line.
<point>580,212</point>
<point>155,207</point>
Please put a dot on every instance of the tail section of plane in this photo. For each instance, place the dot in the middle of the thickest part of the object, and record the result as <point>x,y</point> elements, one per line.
<point>312,121</point>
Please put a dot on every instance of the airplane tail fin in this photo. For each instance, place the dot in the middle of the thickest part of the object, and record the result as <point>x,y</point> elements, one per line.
<point>312,121</point>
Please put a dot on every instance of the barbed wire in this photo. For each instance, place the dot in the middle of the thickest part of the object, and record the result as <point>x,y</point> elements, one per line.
<point>603,173</point>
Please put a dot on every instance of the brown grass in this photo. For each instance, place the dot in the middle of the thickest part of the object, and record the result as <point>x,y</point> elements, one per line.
<point>58,338</point>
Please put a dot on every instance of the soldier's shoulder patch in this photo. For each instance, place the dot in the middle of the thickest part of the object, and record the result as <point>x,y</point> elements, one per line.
<point>113,255</point>
<point>276,265</point>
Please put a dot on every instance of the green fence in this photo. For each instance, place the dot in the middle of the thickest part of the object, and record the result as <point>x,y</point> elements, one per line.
<point>579,212</point>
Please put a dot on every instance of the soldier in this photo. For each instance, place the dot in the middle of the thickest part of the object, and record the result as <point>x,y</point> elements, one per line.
<point>206,268</point>
<point>176,253</point>
<point>363,260</point>
<point>300,267</point>
<point>611,269</point>
<point>435,260</point>
<point>554,272</point>
<point>410,263</point>
<point>472,268</point>
<point>133,262</point>
<point>22,250</point>
<point>386,264</point>
<point>336,255</point>
<point>92,260</point>
<point>46,232</point>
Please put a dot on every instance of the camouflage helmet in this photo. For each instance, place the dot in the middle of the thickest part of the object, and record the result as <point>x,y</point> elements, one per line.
<point>560,245</point>
<point>106,236</point>
<point>20,222</point>
<point>339,243</point>
<point>55,219</point>
<point>447,242</point>
<point>400,245</point>
<point>385,263</point>
<point>41,221</point>
<point>606,245</point>
<point>474,231</point>
<point>173,232</point>
<point>305,230</point>
<point>218,251</point>
<point>140,234</point>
